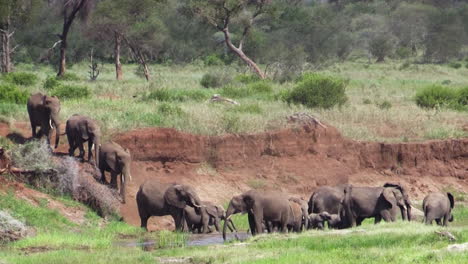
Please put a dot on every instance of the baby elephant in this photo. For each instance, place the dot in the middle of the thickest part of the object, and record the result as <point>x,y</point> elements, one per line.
<point>116,160</point>
<point>437,206</point>
<point>334,221</point>
<point>317,221</point>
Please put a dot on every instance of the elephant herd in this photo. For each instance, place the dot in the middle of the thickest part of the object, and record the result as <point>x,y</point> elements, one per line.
<point>44,112</point>
<point>340,206</point>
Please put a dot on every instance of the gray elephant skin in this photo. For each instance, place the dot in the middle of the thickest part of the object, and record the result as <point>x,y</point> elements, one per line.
<point>327,199</point>
<point>304,211</point>
<point>378,202</point>
<point>116,160</point>
<point>44,112</point>
<point>159,199</point>
<point>81,129</point>
<point>260,206</point>
<point>317,221</point>
<point>215,214</point>
<point>438,207</point>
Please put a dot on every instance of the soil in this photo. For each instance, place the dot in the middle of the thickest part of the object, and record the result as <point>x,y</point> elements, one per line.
<point>296,160</point>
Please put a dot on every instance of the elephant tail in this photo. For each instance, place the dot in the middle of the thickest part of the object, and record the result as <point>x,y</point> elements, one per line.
<point>311,203</point>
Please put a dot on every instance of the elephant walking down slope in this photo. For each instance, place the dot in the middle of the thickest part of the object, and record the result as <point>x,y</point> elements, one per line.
<point>438,206</point>
<point>44,111</point>
<point>158,199</point>
<point>81,129</point>
<point>261,207</point>
<point>116,160</point>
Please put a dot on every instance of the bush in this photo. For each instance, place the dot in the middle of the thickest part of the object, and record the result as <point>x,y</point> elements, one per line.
<point>246,78</point>
<point>10,93</point>
<point>247,108</point>
<point>20,78</point>
<point>51,83</point>
<point>436,96</point>
<point>71,92</point>
<point>455,65</point>
<point>213,60</point>
<point>403,52</point>
<point>232,91</point>
<point>462,97</point>
<point>231,123</point>
<point>314,90</point>
<point>34,155</point>
<point>385,105</point>
<point>215,80</point>
<point>260,87</point>
<point>69,76</point>
<point>366,101</point>
<point>168,109</point>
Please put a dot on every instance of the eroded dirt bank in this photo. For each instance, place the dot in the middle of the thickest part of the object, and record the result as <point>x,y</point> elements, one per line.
<point>295,160</point>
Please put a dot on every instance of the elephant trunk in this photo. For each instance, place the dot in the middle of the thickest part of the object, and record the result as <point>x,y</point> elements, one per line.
<point>97,146</point>
<point>229,213</point>
<point>347,206</point>
<point>408,211</point>
<point>56,123</point>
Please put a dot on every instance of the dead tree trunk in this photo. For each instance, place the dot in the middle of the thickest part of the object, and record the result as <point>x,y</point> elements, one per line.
<point>118,65</point>
<point>6,50</point>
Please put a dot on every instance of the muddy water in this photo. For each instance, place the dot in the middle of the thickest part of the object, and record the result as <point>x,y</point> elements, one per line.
<point>193,240</point>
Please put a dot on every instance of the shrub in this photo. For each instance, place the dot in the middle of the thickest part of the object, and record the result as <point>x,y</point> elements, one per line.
<point>232,91</point>
<point>260,87</point>
<point>246,78</point>
<point>455,65</point>
<point>462,97</point>
<point>71,92</point>
<point>10,93</point>
<point>168,109</point>
<point>69,76</point>
<point>435,96</point>
<point>385,105</point>
<point>11,228</point>
<point>51,83</point>
<point>215,79</point>
<point>366,101</point>
<point>403,52</point>
<point>21,78</point>
<point>446,82</point>
<point>177,95</point>
<point>212,60</point>
<point>34,155</point>
<point>231,123</point>
<point>404,66</point>
<point>247,108</point>
<point>316,90</point>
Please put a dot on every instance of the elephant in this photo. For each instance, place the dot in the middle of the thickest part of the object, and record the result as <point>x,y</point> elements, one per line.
<point>317,221</point>
<point>304,209</point>
<point>378,202</point>
<point>268,206</point>
<point>295,216</point>
<point>44,111</point>
<point>327,199</point>
<point>80,129</point>
<point>116,160</point>
<point>437,206</point>
<point>158,199</point>
<point>334,221</point>
<point>215,214</point>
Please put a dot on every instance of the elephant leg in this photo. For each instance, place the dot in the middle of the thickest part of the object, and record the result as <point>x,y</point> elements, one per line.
<point>386,216</point>
<point>81,148</point>
<point>103,176</point>
<point>216,224</point>
<point>377,219</point>
<point>72,147</point>
<point>358,221</point>
<point>113,181</point>
<point>231,226</point>
<point>446,218</point>
<point>90,150</point>
<point>438,222</point>
<point>252,224</point>
<point>144,222</point>
<point>122,187</point>
<point>258,218</point>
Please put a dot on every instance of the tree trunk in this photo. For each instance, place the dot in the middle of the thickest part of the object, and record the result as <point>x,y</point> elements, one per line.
<point>118,65</point>
<point>139,57</point>
<point>63,49</point>
<point>242,55</point>
<point>6,51</point>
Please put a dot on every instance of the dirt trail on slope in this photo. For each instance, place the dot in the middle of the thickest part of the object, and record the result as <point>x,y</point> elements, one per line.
<point>295,160</point>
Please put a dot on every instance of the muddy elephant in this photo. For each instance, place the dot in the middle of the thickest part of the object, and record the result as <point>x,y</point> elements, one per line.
<point>116,160</point>
<point>260,206</point>
<point>81,129</point>
<point>378,202</point>
<point>158,199</point>
<point>44,112</point>
<point>215,214</point>
<point>304,210</point>
<point>438,207</point>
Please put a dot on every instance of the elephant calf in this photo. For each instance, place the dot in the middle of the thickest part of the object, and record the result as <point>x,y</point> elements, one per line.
<point>215,214</point>
<point>81,129</point>
<point>438,206</point>
<point>116,160</point>
<point>317,221</point>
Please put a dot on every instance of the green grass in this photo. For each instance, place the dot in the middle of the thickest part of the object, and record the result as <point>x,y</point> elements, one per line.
<point>133,103</point>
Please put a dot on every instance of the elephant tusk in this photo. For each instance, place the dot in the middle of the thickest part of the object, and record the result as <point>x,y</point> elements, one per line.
<point>50,123</point>
<point>227,218</point>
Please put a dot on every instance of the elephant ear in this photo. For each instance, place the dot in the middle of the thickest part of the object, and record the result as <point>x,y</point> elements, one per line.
<point>212,211</point>
<point>174,196</point>
<point>249,201</point>
<point>452,201</point>
<point>388,197</point>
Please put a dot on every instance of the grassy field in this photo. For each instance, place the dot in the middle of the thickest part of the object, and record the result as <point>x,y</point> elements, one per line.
<point>58,240</point>
<point>381,104</point>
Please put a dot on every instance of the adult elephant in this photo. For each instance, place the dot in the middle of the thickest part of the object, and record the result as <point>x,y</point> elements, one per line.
<point>81,129</point>
<point>158,199</point>
<point>327,199</point>
<point>215,214</point>
<point>438,207</point>
<point>44,112</point>
<point>116,160</point>
<point>260,206</point>
<point>378,202</point>
<point>304,211</point>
